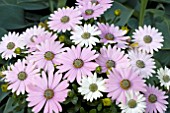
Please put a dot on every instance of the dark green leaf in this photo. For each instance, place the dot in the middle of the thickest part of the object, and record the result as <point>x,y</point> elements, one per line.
<point>3,95</point>
<point>99,107</point>
<point>93,111</point>
<point>163,1</point>
<point>74,100</point>
<point>20,1</point>
<point>133,23</point>
<point>82,110</point>
<point>2,32</point>
<point>126,13</point>
<point>10,105</point>
<point>61,3</point>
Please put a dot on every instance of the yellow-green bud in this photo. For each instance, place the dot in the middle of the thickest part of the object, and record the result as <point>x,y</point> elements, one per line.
<point>62,38</point>
<point>17,50</point>
<point>117,12</point>
<point>125,28</point>
<point>4,87</point>
<point>107,101</point>
<point>43,24</point>
<point>1,74</point>
<point>98,69</point>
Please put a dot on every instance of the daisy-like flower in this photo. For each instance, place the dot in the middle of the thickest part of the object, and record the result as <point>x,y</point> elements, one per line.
<point>106,4</point>
<point>112,34</point>
<point>112,58</point>
<point>46,55</point>
<point>31,33</point>
<point>10,42</point>
<point>65,19</point>
<point>90,10</point>
<point>91,87</point>
<point>148,39</point>
<point>142,63</point>
<point>48,93</point>
<point>155,100</point>
<point>77,63</point>
<point>85,35</point>
<point>136,103</point>
<point>20,75</point>
<point>164,77</point>
<point>121,81</point>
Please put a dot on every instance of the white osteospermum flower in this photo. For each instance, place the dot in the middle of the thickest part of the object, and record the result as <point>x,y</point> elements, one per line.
<point>91,87</point>
<point>142,63</point>
<point>135,103</point>
<point>164,77</point>
<point>85,35</point>
<point>10,42</point>
<point>148,39</point>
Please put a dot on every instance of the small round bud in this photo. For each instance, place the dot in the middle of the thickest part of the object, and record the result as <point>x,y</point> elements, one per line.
<point>98,69</point>
<point>106,101</point>
<point>17,50</point>
<point>62,38</point>
<point>4,87</point>
<point>117,12</point>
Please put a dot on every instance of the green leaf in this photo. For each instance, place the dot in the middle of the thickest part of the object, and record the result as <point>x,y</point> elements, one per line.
<point>99,107</point>
<point>163,1</point>
<point>2,32</point>
<point>3,95</point>
<point>74,100</point>
<point>126,13</point>
<point>93,111</point>
<point>20,1</point>
<point>12,17</point>
<point>82,110</point>
<point>10,105</point>
<point>62,3</point>
<point>133,23</point>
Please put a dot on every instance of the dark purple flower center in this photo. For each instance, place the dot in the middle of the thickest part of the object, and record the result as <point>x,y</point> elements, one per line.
<point>78,63</point>
<point>140,64</point>
<point>49,55</point>
<point>147,39</point>
<point>125,84</point>
<point>93,87</point>
<point>89,11</point>
<point>110,64</point>
<point>166,78</point>
<point>65,19</point>
<point>132,103</point>
<point>10,45</point>
<point>152,98</point>
<point>48,94</point>
<point>86,35</point>
<point>109,36</point>
<point>22,76</point>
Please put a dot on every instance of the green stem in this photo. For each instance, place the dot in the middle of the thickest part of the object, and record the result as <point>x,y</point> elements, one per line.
<point>51,5</point>
<point>142,11</point>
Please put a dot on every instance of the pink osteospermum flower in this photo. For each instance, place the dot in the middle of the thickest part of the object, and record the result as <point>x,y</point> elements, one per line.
<point>39,39</point>
<point>20,75</point>
<point>10,42</point>
<point>77,63</point>
<point>106,4</point>
<point>65,19</point>
<point>155,100</point>
<point>112,34</point>
<point>148,39</point>
<point>46,55</point>
<point>90,10</point>
<point>112,57</point>
<point>121,81</point>
<point>48,93</point>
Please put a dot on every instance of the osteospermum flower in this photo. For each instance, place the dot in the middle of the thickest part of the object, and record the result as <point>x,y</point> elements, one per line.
<point>90,10</point>
<point>164,77</point>
<point>136,103</point>
<point>85,35</point>
<point>112,34</point>
<point>105,4</point>
<point>148,39</point>
<point>121,81</point>
<point>91,87</point>
<point>142,63</point>
<point>10,42</point>
<point>20,75</point>
<point>32,33</point>
<point>155,100</point>
<point>112,57</point>
<point>77,63</point>
<point>46,55</point>
<point>64,19</point>
<point>48,93</point>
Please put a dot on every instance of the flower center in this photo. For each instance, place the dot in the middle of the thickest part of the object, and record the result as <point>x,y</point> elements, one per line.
<point>93,87</point>
<point>94,1</point>
<point>147,39</point>
<point>65,19</point>
<point>48,94</point>
<point>140,64</point>
<point>132,103</point>
<point>49,55</point>
<point>152,98</point>
<point>78,63</point>
<point>109,36</point>
<point>22,76</point>
<point>10,45</point>
<point>110,64</point>
<point>86,35</point>
<point>125,84</point>
<point>89,11</point>
<point>166,78</point>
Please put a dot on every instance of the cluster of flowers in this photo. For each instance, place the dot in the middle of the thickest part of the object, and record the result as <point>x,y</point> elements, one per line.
<point>49,67</point>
